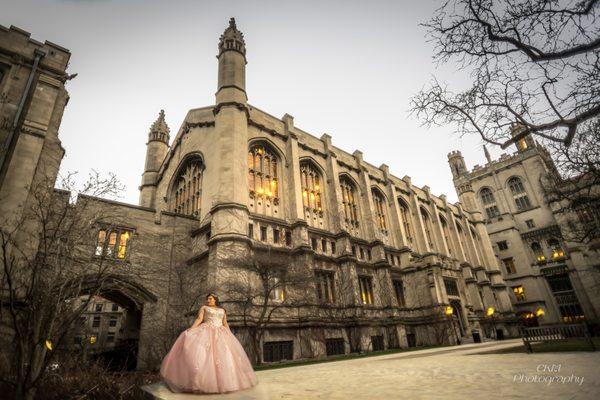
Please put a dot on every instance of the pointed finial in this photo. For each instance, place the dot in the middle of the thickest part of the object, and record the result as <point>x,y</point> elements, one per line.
<point>159,129</point>
<point>487,154</point>
<point>232,23</point>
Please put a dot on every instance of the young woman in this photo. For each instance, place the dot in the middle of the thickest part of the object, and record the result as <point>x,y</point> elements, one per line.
<point>207,357</point>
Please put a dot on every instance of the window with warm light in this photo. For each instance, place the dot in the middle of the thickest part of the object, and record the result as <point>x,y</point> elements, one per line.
<point>557,250</point>
<point>310,182</point>
<point>538,253</point>
<point>262,173</point>
<point>380,217</point>
<point>366,289</point>
<point>349,201</point>
<point>519,293</point>
<point>113,243</point>
<point>277,290</point>
<point>187,190</point>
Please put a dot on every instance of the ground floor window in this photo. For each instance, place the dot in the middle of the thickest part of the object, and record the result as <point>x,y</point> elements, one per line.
<point>277,351</point>
<point>334,346</point>
<point>377,342</point>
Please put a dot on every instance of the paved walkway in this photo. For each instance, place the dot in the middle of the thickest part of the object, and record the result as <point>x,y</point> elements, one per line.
<point>448,373</point>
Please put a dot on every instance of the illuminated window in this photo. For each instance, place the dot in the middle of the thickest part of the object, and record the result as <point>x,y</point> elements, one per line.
<point>349,201</point>
<point>538,253</point>
<point>113,242</point>
<point>379,201</point>
<point>519,293</point>
<point>519,194</point>
<point>557,251</point>
<point>405,216</point>
<point>262,173</point>
<point>428,228</point>
<point>277,290</point>
<point>310,182</point>
<point>324,286</point>
<point>366,289</point>
<point>489,203</point>
<point>187,191</point>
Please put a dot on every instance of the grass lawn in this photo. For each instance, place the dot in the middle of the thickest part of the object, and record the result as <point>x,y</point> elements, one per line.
<point>551,347</point>
<point>341,357</point>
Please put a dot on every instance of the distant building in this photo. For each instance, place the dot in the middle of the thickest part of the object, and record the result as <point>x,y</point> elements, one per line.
<point>551,280</point>
<point>100,327</point>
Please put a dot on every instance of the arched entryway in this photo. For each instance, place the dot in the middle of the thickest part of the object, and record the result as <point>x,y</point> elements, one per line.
<point>528,319</point>
<point>108,328</point>
<point>458,312</point>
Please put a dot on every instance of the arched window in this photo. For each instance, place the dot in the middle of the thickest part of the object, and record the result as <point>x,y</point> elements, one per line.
<point>446,234</point>
<point>489,203</point>
<point>310,181</point>
<point>519,194</point>
<point>187,191</point>
<point>477,240</point>
<point>462,239</point>
<point>538,252</point>
<point>405,216</point>
<point>262,172</point>
<point>556,248</point>
<point>379,202</point>
<point>349,200</point>
<point>428,228</point>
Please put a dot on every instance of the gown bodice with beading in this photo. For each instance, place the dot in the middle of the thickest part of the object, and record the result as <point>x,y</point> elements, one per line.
<point>213,316</point>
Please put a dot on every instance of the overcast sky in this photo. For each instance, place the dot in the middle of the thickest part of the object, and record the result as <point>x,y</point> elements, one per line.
<point>346,68</point>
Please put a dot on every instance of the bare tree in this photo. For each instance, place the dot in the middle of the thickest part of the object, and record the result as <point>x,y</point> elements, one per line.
<point>534,63</point>
<point>574,191</point>
<point>267,289</point>
<point>47,261</point>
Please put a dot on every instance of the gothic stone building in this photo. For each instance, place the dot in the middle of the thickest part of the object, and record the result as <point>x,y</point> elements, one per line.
<point>551,279</point>
<point>238,184</point>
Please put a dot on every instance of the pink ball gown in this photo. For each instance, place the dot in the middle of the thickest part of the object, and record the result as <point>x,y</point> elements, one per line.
<point>208,359</point>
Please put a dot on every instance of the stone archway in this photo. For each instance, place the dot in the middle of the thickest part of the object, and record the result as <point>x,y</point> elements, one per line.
<point>128,299</point>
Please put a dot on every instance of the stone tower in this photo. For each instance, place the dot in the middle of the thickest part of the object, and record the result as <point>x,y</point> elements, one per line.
<point>231,144</point>
<point>459,176</point>
<point>156,150</point>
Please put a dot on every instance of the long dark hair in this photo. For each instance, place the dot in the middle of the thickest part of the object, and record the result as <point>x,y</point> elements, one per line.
<point>217,302</point>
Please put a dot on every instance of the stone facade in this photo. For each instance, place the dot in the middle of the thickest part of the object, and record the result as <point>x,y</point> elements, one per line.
<point>237,184</point>
<point>551,280</point>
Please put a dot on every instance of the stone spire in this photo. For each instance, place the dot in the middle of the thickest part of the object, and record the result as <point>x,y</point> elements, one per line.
<point>159,129</point>
<point>232,39</point>
<point>487,154</point>
<point>231,86</point>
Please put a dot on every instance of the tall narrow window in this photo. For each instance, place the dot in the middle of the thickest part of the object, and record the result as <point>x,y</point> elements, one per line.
<point>489,203</point>
<point>349,201</point>
<point>519,194</point>
<point>310,181</point>
<point>399,290</point>
<point>380,207</point>
<point>366,289</point>
<point>324,286</point>
<point>519,293</point>
<point>462,239</point>
<point>428,229</point>
<point>405,216</point>
<point>262,172</point>
<point>277,289</point>
<point>446,234</point>
<point>187,191</point>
